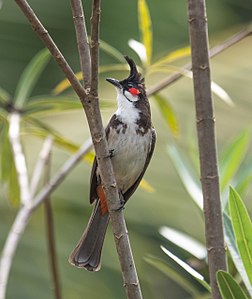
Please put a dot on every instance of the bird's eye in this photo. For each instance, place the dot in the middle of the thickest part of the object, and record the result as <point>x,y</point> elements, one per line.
<point>134,91</point>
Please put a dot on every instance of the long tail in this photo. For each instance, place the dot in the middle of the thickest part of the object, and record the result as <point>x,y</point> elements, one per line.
<point>87,253</point>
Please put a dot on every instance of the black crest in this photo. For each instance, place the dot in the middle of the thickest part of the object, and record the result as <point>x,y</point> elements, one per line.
<point>134,75</point>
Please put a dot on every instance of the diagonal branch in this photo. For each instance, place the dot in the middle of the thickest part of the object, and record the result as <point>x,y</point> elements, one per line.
<point>188,67</point>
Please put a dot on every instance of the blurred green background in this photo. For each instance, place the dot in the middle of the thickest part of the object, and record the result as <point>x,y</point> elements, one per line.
<point>169,204</point>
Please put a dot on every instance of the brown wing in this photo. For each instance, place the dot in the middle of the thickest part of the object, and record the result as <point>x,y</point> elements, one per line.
<point>132,189</point>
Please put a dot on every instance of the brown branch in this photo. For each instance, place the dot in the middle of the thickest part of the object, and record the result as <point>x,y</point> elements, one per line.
<point>83,46</point>
<point>49,43</point>
<point>187,67</point>
<point>91,107</point>
<point>206,140</point>
<point>49,223</point>
<point>131,282</point>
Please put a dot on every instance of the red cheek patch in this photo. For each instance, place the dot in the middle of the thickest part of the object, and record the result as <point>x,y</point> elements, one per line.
<point>134,91</point>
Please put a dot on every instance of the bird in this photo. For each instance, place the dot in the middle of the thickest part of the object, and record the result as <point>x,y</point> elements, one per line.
<point>131,140</point>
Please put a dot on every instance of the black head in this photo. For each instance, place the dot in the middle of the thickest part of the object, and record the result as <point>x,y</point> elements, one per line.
<point>133,85</point>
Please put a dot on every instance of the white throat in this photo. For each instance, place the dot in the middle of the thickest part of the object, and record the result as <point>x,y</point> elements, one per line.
<point>126,109</point>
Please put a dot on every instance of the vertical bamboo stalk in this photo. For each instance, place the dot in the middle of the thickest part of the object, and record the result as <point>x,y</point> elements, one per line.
<point>206,140</point>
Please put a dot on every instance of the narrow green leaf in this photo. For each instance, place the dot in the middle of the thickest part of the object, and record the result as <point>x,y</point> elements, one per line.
<point>51,104</point>
<point>42,130</point>
<point>172,56</point>
<point>168,114</point>
<point>4,96</point>
<point>30,77</point>
<point>6,153</point>
<point>243,230</point>
<point>175,275</point>
<point>229,288</point>
<point>188,269</point>
<point>65,84</point>
<point>189,181</point>
<point>113,52</point>
<point>232,157</point>
<point>233,250</point>
<point>145,27</point>
<point>13,185</point>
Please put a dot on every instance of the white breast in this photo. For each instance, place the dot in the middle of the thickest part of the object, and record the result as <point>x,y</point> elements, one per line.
<point>130,152</point>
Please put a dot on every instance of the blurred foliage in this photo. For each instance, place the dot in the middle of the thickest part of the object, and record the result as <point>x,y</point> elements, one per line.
<point>160,49</point>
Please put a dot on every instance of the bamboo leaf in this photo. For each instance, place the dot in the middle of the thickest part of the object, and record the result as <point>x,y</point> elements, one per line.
<point>189,181</point>
<point>233,250</point>
<point>13,185</point>
<point>229,288</point>
<point>65,84</point>
<point>172,56</point>
<point>145,28</point>
<point>232,157</point>
<point>196,275</point>
<point>216,89</point>
<point>243,230</point>
<point>146,186</point>
<point>172,272</point>
<point>51,104</point>
<point>168,114</point>
<point>191,245</point>
<point>113,52</point>
<point>4,96</point>
<point>30,77</point>
<point>139,49</point>
<point>6,153</point>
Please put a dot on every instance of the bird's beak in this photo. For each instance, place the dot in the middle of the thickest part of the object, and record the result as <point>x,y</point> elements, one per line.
<point>115,82</point>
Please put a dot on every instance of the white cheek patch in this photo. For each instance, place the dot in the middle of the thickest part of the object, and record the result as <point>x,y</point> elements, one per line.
<point>130,97</point>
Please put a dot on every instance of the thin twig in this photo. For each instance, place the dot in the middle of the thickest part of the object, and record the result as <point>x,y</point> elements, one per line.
<point>25,212</point>
<point>52,253</point>
<point>10,246</point>
<point>39,167</point>
<point>19,158</point>
<point>83,46</point>
<point>188,67</point>
<point>207,142</point>
<point>62,173</point>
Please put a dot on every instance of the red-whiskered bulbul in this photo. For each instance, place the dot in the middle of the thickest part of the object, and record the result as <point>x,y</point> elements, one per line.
<point>131,140</point>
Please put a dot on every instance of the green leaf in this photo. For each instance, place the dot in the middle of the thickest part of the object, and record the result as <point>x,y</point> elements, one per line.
<point>65,84</point>
<point>145,28</point>
<point>13,185</point>
<point>168,114</point>
<point>232,157</point>
<point>187,269</point>
<point>51,104</point>
<point>113,52</point>
<point>233,250</point>
<point>229,288</point>
<point>172,56</point>
<point>30,77</point>
<point>4,96</point>
<point>42,130</point>
<point>189,181</point>
<point>6,153</point>
<point>173,273</point>
<point>8,173</point>
<point>243,230</point>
